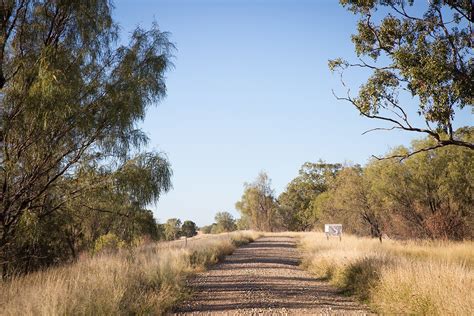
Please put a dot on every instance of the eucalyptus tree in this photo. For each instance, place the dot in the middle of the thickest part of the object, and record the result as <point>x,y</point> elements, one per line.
<point>258,204</point>
<point>419,63</point>
<point>349,201</point>
<point>69,91</point>
<point>295,207</point>
<point>431,194</point>
<point>172,229</point>
<point>225,222</point>
<point>189,229</point>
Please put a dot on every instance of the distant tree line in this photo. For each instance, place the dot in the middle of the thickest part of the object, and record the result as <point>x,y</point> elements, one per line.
<point>174,229</point>
<point>427,195</point>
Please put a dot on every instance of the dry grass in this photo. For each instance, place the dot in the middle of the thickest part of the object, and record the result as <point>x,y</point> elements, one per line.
<point>149,280</point>
<point>424,277</point>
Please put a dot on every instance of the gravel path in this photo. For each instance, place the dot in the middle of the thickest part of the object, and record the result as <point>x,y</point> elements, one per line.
<point>264,278</point>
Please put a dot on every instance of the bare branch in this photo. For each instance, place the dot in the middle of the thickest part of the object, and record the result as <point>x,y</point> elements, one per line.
<point>380,129</point>
<point>403,157</point>
<point>399,125</point>
<point>439,144</point>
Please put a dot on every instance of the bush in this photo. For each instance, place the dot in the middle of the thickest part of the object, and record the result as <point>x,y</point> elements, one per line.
<point>108,243</point>
<point>189,229</point>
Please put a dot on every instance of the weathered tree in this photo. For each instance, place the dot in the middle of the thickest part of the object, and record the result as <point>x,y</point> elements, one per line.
<point>428,58</point>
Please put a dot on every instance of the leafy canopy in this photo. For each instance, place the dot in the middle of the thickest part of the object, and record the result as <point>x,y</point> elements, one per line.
<point>426,58</point>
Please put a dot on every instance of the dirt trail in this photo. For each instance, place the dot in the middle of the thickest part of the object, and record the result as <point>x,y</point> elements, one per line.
<point>264,278</point>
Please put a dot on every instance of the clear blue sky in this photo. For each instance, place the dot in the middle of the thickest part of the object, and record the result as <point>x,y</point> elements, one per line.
<point>250,91</point>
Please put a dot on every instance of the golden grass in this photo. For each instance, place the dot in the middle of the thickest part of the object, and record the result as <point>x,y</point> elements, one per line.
<point>395,277</point>
<point>147,280</point>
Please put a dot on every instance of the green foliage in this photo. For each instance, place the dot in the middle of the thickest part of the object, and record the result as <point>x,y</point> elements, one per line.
<point>349,202</point>
<point>225,222</point>
<point>428,195</point>
<point>189,229</point>
<point>208,229</point>
<point>432,192</point>
<point>145,225</point>
<point>424,58</point>
<point>71,100</point>
<point>242,224</point>
<point>258,205</point>
<point>144,178</point>
<point>172,229</point>
<point>108,243</point>
<point>295,203</point>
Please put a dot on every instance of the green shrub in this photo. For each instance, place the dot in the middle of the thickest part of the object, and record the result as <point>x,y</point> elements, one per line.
<point>108,243</point>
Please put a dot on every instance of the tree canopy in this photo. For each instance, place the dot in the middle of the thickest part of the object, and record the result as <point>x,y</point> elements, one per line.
<point>225,222</point>
<point>429,195</point>
<point>172,229</point>
<point>71,98</point>
<point>189,229</point>
<point>423,59</point>
<point>258,205</point>
<point>295,203</point>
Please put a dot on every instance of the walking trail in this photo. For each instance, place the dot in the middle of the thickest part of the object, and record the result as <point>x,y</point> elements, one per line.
<point>263,278</point>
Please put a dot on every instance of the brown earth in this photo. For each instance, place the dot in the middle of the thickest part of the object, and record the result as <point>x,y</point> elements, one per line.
<point>264,278</point>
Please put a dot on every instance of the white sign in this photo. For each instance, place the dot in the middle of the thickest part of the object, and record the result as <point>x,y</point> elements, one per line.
<point>333,229</point>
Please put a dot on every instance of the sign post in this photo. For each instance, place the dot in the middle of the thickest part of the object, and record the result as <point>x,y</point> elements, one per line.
<point>333,230</point>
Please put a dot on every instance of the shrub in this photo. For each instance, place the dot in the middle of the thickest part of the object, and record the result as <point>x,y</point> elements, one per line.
<point>108,243</point>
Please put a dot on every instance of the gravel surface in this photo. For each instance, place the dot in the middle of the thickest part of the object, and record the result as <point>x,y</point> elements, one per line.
<point>264,278</point>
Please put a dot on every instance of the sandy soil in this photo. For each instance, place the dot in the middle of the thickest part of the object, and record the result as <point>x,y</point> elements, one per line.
<point>263,278</point>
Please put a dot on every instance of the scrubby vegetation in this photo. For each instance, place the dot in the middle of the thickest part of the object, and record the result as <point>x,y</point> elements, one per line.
<point>144,280</point>
<point>397,277</point>
<point>77,181</point>
<point>224,222</point>
<point>428,195</point>
<point>73,164</point>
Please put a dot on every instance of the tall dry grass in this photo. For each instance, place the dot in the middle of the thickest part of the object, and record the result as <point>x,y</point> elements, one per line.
<point>145,280</point>
<point>395,277</point>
